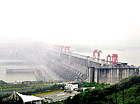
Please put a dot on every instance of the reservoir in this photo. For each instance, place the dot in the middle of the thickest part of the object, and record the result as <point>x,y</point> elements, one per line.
<point>16,67</point>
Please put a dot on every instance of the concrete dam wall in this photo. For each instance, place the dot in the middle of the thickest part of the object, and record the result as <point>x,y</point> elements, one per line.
<point>75,67</point>
<point>111,75</point>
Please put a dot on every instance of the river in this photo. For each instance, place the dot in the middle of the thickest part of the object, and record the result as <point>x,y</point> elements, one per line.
<point>131,57</point>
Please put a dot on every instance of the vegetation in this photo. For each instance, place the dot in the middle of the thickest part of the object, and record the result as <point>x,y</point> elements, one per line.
<point>127,91</point>
<point>27,87</point>
<point>46,93</point>
<point>93,84</point>
<point>2,82</point>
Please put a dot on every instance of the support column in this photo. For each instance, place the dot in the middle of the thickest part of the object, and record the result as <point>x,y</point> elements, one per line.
<point>91,74</point>
<point>117,79</point>
<point>69,58</point>
<point>111,78</point>
<point>87,65</point>
<point>95,75</point>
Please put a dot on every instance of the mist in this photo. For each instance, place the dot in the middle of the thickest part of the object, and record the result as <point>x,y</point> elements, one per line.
<point>106,25</point>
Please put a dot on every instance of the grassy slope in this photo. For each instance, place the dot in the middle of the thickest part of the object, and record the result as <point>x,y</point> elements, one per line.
<point>46,93</point>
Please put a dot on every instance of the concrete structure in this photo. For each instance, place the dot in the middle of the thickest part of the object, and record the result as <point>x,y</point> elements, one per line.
<point>24,99</point>
<point>71,87</point>
<point>75,67</point>
<point>111,74</point>
<point>21,69</point>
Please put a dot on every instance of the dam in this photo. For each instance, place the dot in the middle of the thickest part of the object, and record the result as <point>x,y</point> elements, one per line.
<point>76,67</point>
<point>48,64</point>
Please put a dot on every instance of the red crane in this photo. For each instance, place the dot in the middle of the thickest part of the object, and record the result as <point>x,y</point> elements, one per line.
<point>64,48</point>
<point>94,53</point>
<point>114,58</point>
<point>61,48</point>
<point>99,52</point>
<point>109,56</point>
<point>67,48</point>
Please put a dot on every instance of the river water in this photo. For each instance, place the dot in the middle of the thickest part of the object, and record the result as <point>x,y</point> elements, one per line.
<point>16,77</point>
<point>130,57</point>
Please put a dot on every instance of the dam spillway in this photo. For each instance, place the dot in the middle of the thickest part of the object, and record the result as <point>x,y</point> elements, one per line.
<point>111,75</point>
<point>84,68</point>
<point>50,65</point>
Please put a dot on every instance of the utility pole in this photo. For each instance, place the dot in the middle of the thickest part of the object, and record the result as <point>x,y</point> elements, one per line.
<point>123,95</point>
<point>116,93</point>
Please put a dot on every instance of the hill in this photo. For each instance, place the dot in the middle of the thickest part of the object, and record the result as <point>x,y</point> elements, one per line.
<point>2,82</point>
<point>127,91</point>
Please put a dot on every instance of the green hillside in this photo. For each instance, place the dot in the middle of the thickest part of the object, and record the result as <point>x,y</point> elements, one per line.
<point>127,91</point>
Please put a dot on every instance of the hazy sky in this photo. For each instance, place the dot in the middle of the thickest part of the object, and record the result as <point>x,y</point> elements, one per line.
<point>91,22</point>
<point>101,23</point>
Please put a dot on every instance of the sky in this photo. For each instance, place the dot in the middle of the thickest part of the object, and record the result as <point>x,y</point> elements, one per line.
<point>103,23</point>
<point>97,22</point>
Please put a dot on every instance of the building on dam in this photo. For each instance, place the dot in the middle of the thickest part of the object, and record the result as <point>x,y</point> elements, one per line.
<point>76,67</point>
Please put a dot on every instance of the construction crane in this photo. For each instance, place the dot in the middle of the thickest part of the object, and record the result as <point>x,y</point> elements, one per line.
<point>98,54</point>
<point>113,58</point>
<point>109,56</point>
<point>67,48</point>
<point>94,53</point>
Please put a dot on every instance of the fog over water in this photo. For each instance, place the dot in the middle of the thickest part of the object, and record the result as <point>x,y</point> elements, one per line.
<point>28,54</point>
<point>112,26</point>
<point>130,57</point>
